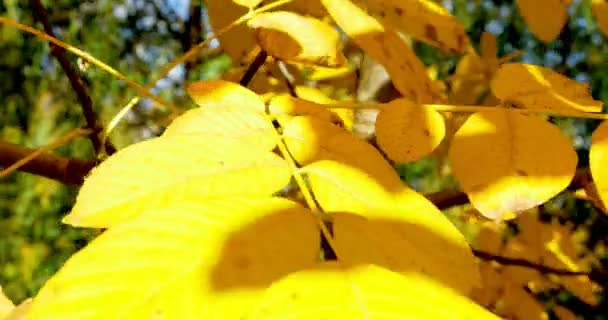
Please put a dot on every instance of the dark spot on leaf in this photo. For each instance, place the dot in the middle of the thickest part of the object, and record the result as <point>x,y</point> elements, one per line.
<point>242,262</point>
<point>427,132</point>
<point>430,32</point>
<point>399,11</point>
<point>521,173</point>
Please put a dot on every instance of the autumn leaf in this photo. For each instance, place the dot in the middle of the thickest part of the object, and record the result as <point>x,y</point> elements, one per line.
<point>544,18</point>
<point>598,160</point>
<point>535,87</point>
<point>221,93</point>
<point>248,3</point>
<point>600,12</point>
<point>237,42</point>
<point>506,162</point>
<point>292,37</point>
<point>312,94</point>
<point>335,290</point>
<point>407,131</point>
<point>284,107</point>
<point>199,259</point>
<point>388,48</point>
<point>164,170</point>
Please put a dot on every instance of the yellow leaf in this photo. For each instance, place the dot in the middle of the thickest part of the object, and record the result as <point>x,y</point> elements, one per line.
<point>248,3</point>
<point>313,94</point>
<point>239,41</point>
<point>19,312</point>
<point>563,313</point>
<point>545,18</point>
<point>202,259</point>
<point>6,305</point>
<point>598,160</point>
<point>310,139</point>
<point>304,7</point>
<point>163,170</point>
<point>424,20</point>
<point>521,305</point>
<point>292,37</point>
<point>407,131</point>
<point>264,81</point>
<point>535,87</point>
<point>250,127</point>
<point>388,48</point>
<point>600,12</point>
<point>398,229</point>
<point>336,291</point>
<point>221,93</point>
<point>284,107</point>
<point>507,162</point>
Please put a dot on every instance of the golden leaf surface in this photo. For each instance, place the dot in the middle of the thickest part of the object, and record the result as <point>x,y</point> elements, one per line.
<point>239,41</point>
<point>507,162</point>
<point>250,127</point>
<point>310,139</point>
<point>336,291</point>
<point>284,107</point>
<point>200,259</point>
<point>221,93</point>
<point>424,20</point>
<point>398,229</point>
<point>6,305</point>
<point>19,312</point>
<point>535,87</point>
<point>315,95</point>
<point>544,18</point>
<point>292,37</point>
<point>600,13</point>
<point>163,170</point>
<point>598,161</point>
<point>388,48</point>
<point>407,131</point>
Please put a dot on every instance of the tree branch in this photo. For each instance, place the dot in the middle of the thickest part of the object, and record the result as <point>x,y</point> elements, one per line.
<point>65,170</point>
<point>253,68</point>
<point>76,82</point>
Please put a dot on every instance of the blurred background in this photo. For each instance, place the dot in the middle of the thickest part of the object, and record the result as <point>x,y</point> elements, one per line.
<point>137,37</point>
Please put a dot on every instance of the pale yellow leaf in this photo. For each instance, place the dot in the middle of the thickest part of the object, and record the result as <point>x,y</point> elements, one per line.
<point>199,259</point>
<point>19,312</point>
<point>221,93</point>
<point>336,291</point>
<point>600,12</point>
<point>598,161</point>
<point>407,131</point>
<point>248,3</point>
<point>284,107</point>
<point>535,87</point>
<point>311,139</point>
<point>159,171</point>
<point>313,94</point>
<point>239,41</point>
<point>6,305</point>
<point>388,48</point>
<point>292,37</point>
<point>508,162</point>
<point>424,20</point>
<point>544,18</point>
<point>248,126</point>
<point>398,229</point>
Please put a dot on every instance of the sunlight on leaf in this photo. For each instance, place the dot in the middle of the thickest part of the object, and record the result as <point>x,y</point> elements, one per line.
<point>163,170</point>
<point>220,93</point>
<point>388,48</point>
<point>313,94</point>
<point>6,305</point>
<point>284,107</point>
<point>506,162</point>
<point>338,291</point>
<point>544,18</point>
<point>201,259</point>
<point>598,161</point>
<point>600,12</point>
<point>248,126</point>
<point>292,37</point>
<point>535,87</point>
<point>398,229</point>
<point>407,131</point>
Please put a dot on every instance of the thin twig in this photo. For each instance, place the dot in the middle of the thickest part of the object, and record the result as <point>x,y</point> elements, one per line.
<point>77,84</point>
<point>289,79</point>
<point>253,68</point>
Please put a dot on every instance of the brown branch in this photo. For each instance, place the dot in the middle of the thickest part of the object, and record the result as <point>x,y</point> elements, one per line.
<point>76,82</point>
<point>450,198</point>
<point>65,170</point>
<point>253,68</point>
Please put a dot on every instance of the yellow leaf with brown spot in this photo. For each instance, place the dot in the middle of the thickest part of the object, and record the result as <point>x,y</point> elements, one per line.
<point>507,162</point>
<point>343,291</point>
<point>292,37</point>
<point>283,107</point>
<point>544,18</point>
<point>407,131</point>
<point>388,48</point>
<point>424,20</point>
<point>600,12</point>
<point>598,161</point>
<point>221,93</point>
<point>535,87</point>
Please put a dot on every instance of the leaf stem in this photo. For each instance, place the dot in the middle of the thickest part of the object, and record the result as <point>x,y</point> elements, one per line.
<point>253,68</point>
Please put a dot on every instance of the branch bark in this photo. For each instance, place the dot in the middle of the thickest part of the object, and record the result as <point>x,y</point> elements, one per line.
<point>69,171</point>
<point>76,82</point>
